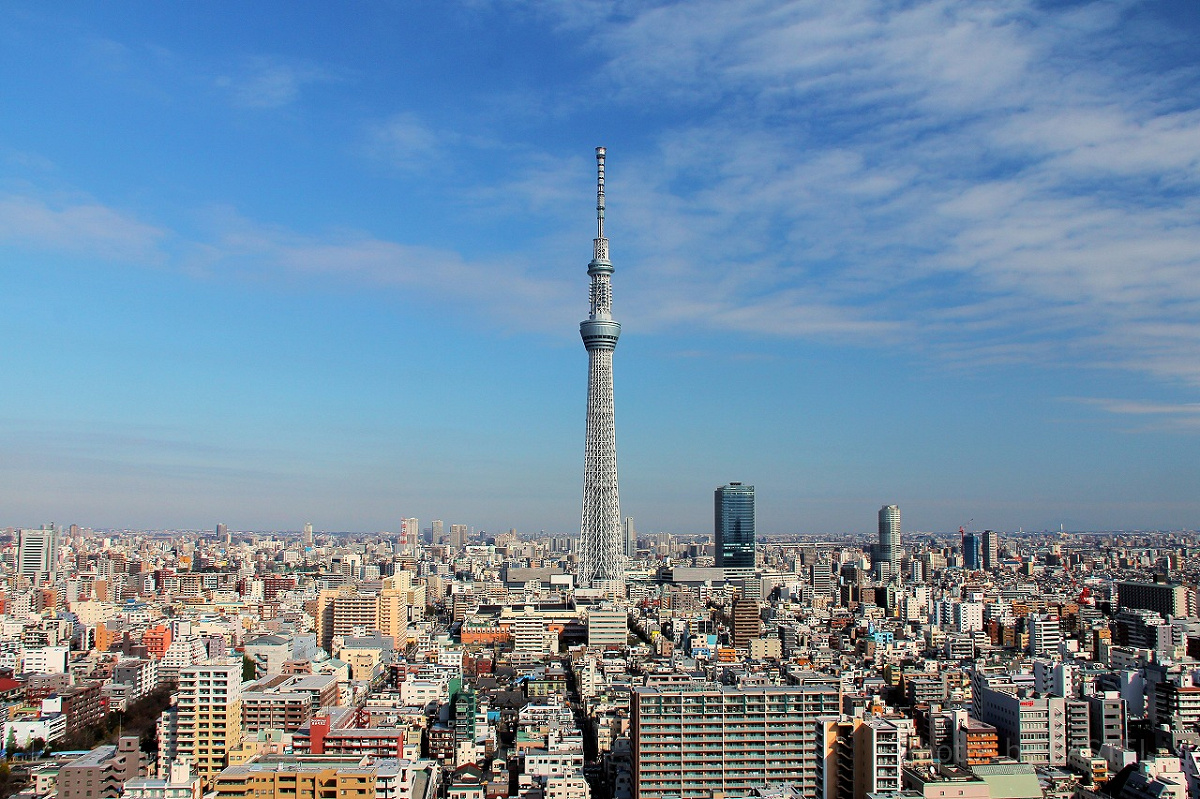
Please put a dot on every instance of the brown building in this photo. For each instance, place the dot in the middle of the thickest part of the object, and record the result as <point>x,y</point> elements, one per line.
<point>102,772</point>
<point>746,622</point>
<point>79,703</point>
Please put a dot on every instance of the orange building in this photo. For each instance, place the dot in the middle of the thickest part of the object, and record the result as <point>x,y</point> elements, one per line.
<point>982,742</point>
<point>157,640</point>
<point>107,635</point>
<point>483,632</point>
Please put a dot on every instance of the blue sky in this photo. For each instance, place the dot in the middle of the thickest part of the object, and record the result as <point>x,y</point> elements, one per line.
<point>283,262</point>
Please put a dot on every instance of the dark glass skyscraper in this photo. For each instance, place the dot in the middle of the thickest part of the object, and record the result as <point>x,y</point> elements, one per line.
<point>972,552</point>
<point>733,534</point>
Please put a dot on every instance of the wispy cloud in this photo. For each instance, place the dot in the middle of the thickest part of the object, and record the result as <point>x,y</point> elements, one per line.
<point>1004,180</point>
<point>81,227</point>
<point>271,82</point>
<point>407,142</point>
<point>1144,407</point>
<point>509,287</point>
<point>1151,415</point>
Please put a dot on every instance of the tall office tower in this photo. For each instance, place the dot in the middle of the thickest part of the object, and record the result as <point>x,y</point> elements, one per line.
<point>821,574</point>
<point>37,553</point>
<point>972,552</point>
<point>458,536</point>
<point>701,740</point>
<point>630,534</point>
<point>308,534</point>
<point>210,715</point>
<point>889,536</point>
<point>437,529</point>
<point>991,549</point>
<point>222,530</point>
<point>733,526</point>
<point>601,560</point>
<point>410,529</point>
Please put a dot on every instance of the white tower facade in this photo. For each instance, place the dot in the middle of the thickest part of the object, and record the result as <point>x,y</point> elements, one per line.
<point>601,541</point>
<point>37,553</point>
<point>889,536</point>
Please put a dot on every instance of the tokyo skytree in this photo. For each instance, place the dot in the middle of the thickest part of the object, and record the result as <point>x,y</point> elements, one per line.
<point>601,548</point>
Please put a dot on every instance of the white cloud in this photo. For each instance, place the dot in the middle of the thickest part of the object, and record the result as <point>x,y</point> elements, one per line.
<point>988,181</point>
<point>406,142</point>
<point>269,82</point>
<point>85,228</point>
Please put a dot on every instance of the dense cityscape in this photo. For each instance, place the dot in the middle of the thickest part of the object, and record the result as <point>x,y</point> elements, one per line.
<point>291,303</point>
<point>441,661</point>
<point>438,662</point>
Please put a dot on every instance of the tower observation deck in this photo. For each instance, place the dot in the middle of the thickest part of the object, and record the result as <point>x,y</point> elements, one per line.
<point>601,547</point>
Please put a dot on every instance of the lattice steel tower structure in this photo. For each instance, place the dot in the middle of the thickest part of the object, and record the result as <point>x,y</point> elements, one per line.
<point>601,545</point>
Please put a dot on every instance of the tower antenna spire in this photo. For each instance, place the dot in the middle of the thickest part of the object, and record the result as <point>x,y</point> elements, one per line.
<point>601,547</point>
<point>600,193</point>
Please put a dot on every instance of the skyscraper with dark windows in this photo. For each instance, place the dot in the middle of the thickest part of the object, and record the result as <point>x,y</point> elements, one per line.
<point>972,552</point>
<point>889,536</point>
<point>733,533</point>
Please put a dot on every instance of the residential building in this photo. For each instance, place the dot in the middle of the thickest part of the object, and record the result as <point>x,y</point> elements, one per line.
<point>210,715</point>
<point>692,741</point>
<point>102,772</point>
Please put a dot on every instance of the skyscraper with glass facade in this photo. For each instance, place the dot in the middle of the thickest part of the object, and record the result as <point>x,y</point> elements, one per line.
<point>889,536</point>
<point>733,533</point>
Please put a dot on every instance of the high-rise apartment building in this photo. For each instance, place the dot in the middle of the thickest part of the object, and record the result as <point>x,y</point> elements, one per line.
<point>458,536</point>
<point>437,529</point>
<point>355,614</point>
<point>209,715</point>
<point>308,534</point>
<point>858,758</point>
<point>393,614</point>
<point>37,553</point>
<point>889,536</point>
<point>991,549</point>
<point>410,532</point>
<point>629,533</point>
<point>601,548</point>
<point>703,740</point>
<point>746,623</point>
<point>733,526</point>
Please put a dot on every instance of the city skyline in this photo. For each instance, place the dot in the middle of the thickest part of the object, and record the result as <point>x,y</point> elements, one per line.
<point>330,273</point>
